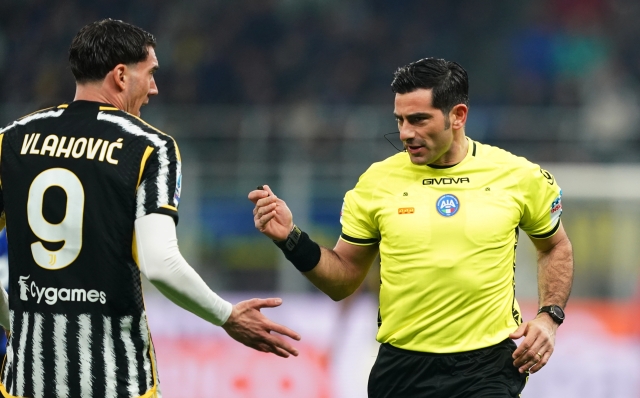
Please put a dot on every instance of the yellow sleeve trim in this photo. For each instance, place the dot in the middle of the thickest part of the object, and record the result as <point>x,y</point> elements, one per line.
<point>63,106</point>
<point>145,156</point>
<point>4,392</point>
<point>134,249</point>
<point>109,108</point>
<point>169,207</point>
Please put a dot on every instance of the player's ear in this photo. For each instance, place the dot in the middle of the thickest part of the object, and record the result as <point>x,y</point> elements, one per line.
<point>119,76</point>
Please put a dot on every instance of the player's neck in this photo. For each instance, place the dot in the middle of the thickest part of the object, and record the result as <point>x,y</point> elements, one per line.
<point>97,93</point>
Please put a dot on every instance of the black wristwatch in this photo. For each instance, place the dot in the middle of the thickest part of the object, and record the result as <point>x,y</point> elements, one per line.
<point>555,312</point>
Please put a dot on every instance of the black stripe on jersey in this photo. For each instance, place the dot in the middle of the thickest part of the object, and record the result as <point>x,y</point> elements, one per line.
<point>73,356</point>
<point>27,358</point>
<point>122,365</point>
<point>98,352</point>
<point>48,356</point>
<point>548,234</point>
<point>473,153</point>
<point>142,356</point>
<point>368,241</point>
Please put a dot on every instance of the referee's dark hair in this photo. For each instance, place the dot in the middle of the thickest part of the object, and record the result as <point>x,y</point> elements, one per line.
<point>447,80</point>
<point>100,46</point>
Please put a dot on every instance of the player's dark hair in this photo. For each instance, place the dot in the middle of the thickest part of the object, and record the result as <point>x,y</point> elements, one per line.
<point>101,45</point>
<point>447,80</point>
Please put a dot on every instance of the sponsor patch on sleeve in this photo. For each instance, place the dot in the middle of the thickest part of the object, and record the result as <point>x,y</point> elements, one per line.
<point>556,208</point>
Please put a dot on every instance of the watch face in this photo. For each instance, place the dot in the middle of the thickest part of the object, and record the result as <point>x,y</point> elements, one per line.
<point>557,311</point>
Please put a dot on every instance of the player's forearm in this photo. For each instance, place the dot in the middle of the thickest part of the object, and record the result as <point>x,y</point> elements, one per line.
<point>163,265</point>
<point>555,274</point>
<point>334,276</point>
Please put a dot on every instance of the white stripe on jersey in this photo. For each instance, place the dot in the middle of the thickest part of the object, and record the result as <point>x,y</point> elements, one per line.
<point>84,348</point>
<point>24,330</point>
<point>60,351</point>
<point>109,360</point>
<point>42,115</point>
<point>9,365</point>
<point>146,364</point>
<point>38,367</point>
<point>141,195</point>
<point>130,350</point>
<point>163,159</point>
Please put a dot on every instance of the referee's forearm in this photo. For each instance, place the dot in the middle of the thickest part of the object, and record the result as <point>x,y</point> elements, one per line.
<point>555,274</point>
<point>335,276</point>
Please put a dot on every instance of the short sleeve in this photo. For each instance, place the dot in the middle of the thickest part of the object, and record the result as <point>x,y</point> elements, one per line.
<point>358,226</point>
<point>161,181</point>
<point>542,203</point>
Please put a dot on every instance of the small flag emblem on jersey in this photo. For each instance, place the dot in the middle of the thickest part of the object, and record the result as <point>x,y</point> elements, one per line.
<point>447,205</point>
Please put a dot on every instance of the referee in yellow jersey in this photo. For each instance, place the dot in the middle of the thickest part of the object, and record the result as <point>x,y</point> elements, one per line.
<point>444,216</point>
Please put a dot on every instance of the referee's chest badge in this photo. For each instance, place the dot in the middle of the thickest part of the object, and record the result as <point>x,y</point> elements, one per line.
<point>448,205</point>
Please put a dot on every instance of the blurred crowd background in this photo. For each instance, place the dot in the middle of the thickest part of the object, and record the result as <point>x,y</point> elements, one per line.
<point>296,94</point>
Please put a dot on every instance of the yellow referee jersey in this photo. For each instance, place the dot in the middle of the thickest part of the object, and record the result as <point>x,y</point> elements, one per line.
<point>447,244</point>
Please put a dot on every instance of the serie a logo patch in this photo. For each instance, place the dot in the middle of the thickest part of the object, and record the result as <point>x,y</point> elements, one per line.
<point>448,205</point>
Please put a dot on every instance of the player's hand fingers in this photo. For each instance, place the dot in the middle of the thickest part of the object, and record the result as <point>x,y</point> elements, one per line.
<point>265,303</point>
<point>277,344</point>
<point>282,353</point>
<point>285,331</point>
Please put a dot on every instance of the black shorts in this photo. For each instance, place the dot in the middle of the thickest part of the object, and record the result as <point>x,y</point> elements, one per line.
<point>483,373</point>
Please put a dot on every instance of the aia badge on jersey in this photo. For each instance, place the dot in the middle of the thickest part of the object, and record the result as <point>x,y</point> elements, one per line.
<point>447,205</point>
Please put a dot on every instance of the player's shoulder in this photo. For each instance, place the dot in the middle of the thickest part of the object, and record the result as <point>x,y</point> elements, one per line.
<point>51,111</point>
<point>134,126</point>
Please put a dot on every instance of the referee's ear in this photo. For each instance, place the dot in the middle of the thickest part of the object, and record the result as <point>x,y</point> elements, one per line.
<point>458,116</point>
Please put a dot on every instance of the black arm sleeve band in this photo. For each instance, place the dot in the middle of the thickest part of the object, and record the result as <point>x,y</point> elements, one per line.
<point>305,255</point>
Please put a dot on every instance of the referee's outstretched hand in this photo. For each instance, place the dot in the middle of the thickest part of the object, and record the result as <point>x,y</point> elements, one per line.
<point>249,326</point>
<point>271,215</point>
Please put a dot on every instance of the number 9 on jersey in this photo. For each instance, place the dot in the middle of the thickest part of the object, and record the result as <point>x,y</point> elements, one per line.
<point>68,230</point>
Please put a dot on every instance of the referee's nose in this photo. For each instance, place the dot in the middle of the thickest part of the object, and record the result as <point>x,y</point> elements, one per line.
<point>406,132</point>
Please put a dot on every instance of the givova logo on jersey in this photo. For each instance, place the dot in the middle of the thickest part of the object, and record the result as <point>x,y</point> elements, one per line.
<point>51,295</point>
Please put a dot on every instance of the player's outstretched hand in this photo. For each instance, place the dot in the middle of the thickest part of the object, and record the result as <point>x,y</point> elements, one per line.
<point>249,326</point>
<point>536,348</point>
<point>271,215</point>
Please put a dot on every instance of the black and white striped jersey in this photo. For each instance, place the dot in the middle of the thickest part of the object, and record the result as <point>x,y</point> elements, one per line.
<point>73,180</point>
